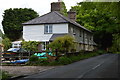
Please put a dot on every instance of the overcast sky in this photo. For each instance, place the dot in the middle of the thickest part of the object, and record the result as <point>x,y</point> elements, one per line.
<point>40,6</point>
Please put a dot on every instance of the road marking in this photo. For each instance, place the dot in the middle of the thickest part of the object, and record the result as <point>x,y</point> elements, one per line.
<point>84,73</point>
<point>98,65</point>
<point>91,69</point>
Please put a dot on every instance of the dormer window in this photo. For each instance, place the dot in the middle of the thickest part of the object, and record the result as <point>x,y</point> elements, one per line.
<point>48,29</point>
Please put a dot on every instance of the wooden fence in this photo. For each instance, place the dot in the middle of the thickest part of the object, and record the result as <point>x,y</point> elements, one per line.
<point>16,56</point>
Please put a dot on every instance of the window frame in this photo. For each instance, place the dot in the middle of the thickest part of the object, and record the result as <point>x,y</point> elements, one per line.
<point>48,29</point>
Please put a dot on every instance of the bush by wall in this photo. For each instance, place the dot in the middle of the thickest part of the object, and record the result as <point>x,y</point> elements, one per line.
<point>7,43</point>
<point>33,58</point>
<point>62,44</point>
<point>30,45</point>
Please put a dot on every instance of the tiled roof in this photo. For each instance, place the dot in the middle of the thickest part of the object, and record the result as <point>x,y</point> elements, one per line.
<point>53,17</point>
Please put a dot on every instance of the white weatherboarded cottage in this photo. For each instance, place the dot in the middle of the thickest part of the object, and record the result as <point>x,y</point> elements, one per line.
<point>53,24</point>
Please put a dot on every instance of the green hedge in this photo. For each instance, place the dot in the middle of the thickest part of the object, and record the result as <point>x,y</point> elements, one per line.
<point>64,60</point>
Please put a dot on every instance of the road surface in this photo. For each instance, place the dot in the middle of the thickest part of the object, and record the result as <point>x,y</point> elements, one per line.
<point>103,66</point>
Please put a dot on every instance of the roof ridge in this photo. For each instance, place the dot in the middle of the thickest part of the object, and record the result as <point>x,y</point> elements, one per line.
<point>60,15</point>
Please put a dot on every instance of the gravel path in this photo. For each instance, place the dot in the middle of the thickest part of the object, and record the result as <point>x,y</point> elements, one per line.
<point>24,70</point>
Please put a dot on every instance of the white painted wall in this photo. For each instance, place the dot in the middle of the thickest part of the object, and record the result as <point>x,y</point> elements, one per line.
<point>60,28</point>
<point>36,32</point>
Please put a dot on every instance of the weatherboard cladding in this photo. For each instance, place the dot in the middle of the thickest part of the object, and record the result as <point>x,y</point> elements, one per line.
<point>53,17</point>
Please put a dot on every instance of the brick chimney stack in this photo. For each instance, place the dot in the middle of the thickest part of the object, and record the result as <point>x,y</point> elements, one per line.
<point>72,15</point>
<point>56,6</point>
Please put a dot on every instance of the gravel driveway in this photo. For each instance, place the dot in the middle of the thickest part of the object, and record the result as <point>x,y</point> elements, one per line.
<point>24,70</point>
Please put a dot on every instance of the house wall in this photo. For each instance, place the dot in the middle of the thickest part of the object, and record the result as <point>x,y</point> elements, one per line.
<point>36,32</point>
<point>60,28</point>
<point>82,37</point>
<point>75,32</point>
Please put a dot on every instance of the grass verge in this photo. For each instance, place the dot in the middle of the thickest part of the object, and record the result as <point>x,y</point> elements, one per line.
<point>4,75</point>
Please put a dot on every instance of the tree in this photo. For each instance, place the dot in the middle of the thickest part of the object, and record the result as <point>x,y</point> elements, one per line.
<point>99,18</point>
<point>64,43</point>
<point>7,43</point>
<point>63,9</point>
<point>116,43</point>
<point>13,19</point>
<point>30,45</point>
<point>114,7</point>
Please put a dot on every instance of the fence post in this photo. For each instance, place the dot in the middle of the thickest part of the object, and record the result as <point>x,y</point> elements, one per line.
<point>56,51</point>
<point>29,55</point>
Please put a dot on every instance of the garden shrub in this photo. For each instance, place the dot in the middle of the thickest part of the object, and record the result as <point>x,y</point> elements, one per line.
<point>75,58</point>
<point>54,63</point>
<point>7,43</point>
<point>100,52</point>
<point>30,45</point>
<point>43,59</point>
<point>64,60</point>
<point>118,52</point>
<point>64,43</point>
<point>33,58</point>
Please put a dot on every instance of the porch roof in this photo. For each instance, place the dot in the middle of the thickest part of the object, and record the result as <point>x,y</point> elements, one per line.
<point>54,36</point>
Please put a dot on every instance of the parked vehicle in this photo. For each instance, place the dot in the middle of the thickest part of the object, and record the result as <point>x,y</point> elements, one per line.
<point>20,61</point>
<point>15,53</point>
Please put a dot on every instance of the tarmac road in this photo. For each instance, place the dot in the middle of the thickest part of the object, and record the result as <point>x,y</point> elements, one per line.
<point>105,66</point>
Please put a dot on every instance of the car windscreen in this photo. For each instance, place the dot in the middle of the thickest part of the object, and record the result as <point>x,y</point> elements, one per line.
<point>13,49</point>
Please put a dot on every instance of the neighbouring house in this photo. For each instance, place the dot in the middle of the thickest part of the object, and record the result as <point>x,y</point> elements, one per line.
<point>53,24</point>
<point>1,45</point>
<point>16,44</point>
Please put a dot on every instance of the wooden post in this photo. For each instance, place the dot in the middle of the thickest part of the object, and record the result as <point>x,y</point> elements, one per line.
<point>29,55</point>
<point>56,51</point>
